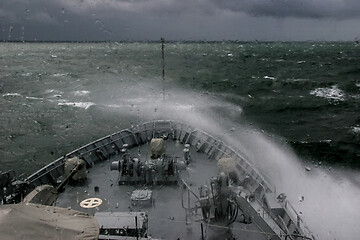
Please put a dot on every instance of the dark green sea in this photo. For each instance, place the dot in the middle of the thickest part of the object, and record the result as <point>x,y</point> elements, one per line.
<point>286,106</point>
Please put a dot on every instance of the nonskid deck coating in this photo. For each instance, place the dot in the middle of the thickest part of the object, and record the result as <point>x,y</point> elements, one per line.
<point>166,215</point>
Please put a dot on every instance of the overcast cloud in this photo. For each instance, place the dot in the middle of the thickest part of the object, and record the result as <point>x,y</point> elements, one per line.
<point>331,9</point>
<point>179,19</point>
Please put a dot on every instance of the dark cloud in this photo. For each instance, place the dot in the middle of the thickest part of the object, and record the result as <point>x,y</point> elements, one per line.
<point>336,9</point>
<point>179,19</point>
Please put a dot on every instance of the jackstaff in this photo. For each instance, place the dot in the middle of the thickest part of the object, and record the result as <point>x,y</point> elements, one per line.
<point>163,65</point>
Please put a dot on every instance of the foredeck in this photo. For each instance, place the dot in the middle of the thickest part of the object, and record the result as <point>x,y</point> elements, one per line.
<point>167,215</point>
<point>167,218</point>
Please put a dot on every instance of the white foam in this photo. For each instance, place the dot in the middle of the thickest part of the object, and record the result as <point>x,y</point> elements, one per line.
<point>34,98</point>
<point>81,93</point>
<point>331,93</point>
<point>12,95</point>
<point>54,91</point>
<point>184,106</point>
<point>84,105</point>
<point>26,74</point>
<point>113,105</point>
<point>356,130</point>
<point>268,77</point>
<point>357,84</point>
<point>300,79</point>
<point>59,74</point>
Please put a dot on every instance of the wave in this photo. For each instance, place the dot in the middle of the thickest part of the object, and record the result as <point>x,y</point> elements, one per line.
<point>81,93</point>
<point>59,74</point>
<point>27,74</point>
<point>12,95</point>
<point>54,91</point>
<point>84,105</point>
<point>340,152</point>
<point>269,77</point>
<point>356,130</point>
<point>331,93</point>
<point>34,98</point>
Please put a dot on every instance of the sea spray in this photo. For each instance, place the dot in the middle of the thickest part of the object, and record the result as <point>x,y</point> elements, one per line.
<point>326,202</point>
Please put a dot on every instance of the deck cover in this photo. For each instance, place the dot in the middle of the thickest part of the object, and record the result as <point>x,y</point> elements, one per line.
<point>43,194</point>
<point>157,147</point>
<point>69,166</point>
<point>35,221</point>
<point>228,166</point>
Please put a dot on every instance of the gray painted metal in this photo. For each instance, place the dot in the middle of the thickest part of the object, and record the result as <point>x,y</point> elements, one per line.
<point>105,147</point>
<point>110,145</point>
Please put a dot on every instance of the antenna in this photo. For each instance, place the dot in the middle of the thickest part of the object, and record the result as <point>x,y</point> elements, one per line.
<point>163,65</point>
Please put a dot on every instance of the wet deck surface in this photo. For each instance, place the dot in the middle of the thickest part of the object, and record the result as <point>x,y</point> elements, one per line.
<point>166,214</point>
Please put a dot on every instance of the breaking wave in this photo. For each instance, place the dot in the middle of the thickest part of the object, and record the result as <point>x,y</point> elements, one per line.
<point>59,74</point>
<point>356,130</point>
<point>331,93</point>
<point>84,105</point>
<point>12,95</point>
<point>81,93</point>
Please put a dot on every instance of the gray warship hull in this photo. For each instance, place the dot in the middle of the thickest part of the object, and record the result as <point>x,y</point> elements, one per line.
<point>168,188</point>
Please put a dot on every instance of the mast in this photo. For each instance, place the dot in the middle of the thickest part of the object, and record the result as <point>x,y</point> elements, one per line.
<point>163,66</point>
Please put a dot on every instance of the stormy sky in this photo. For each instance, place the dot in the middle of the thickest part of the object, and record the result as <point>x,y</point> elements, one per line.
<point>263,20</point>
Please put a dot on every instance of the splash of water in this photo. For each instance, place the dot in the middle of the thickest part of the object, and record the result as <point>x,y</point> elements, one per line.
<point>326,199</point>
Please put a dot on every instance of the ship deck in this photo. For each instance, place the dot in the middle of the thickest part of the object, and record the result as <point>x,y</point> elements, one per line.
<point>167,218</point>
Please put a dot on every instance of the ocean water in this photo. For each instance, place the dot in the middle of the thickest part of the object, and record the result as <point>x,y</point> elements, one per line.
<point>287,106</point>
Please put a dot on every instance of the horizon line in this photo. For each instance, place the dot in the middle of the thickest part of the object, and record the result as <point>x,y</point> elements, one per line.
<point>173,41</point>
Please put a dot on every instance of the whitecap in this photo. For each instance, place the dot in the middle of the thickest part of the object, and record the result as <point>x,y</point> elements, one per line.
<point>56,92</point>
<point>184,107</point>
<point>34,98</point>
<point>299,62</point>
<point>268,77</point>
<point>84,105</point>
<point>59,74</point>
<point>297,79</point>
<point>113,106</point>
<point>332,93</point>
<point>11,95</point>
<point>357,84</point>
<point>356,130</point>
<point>26,74</point>
<point>81,93</point>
